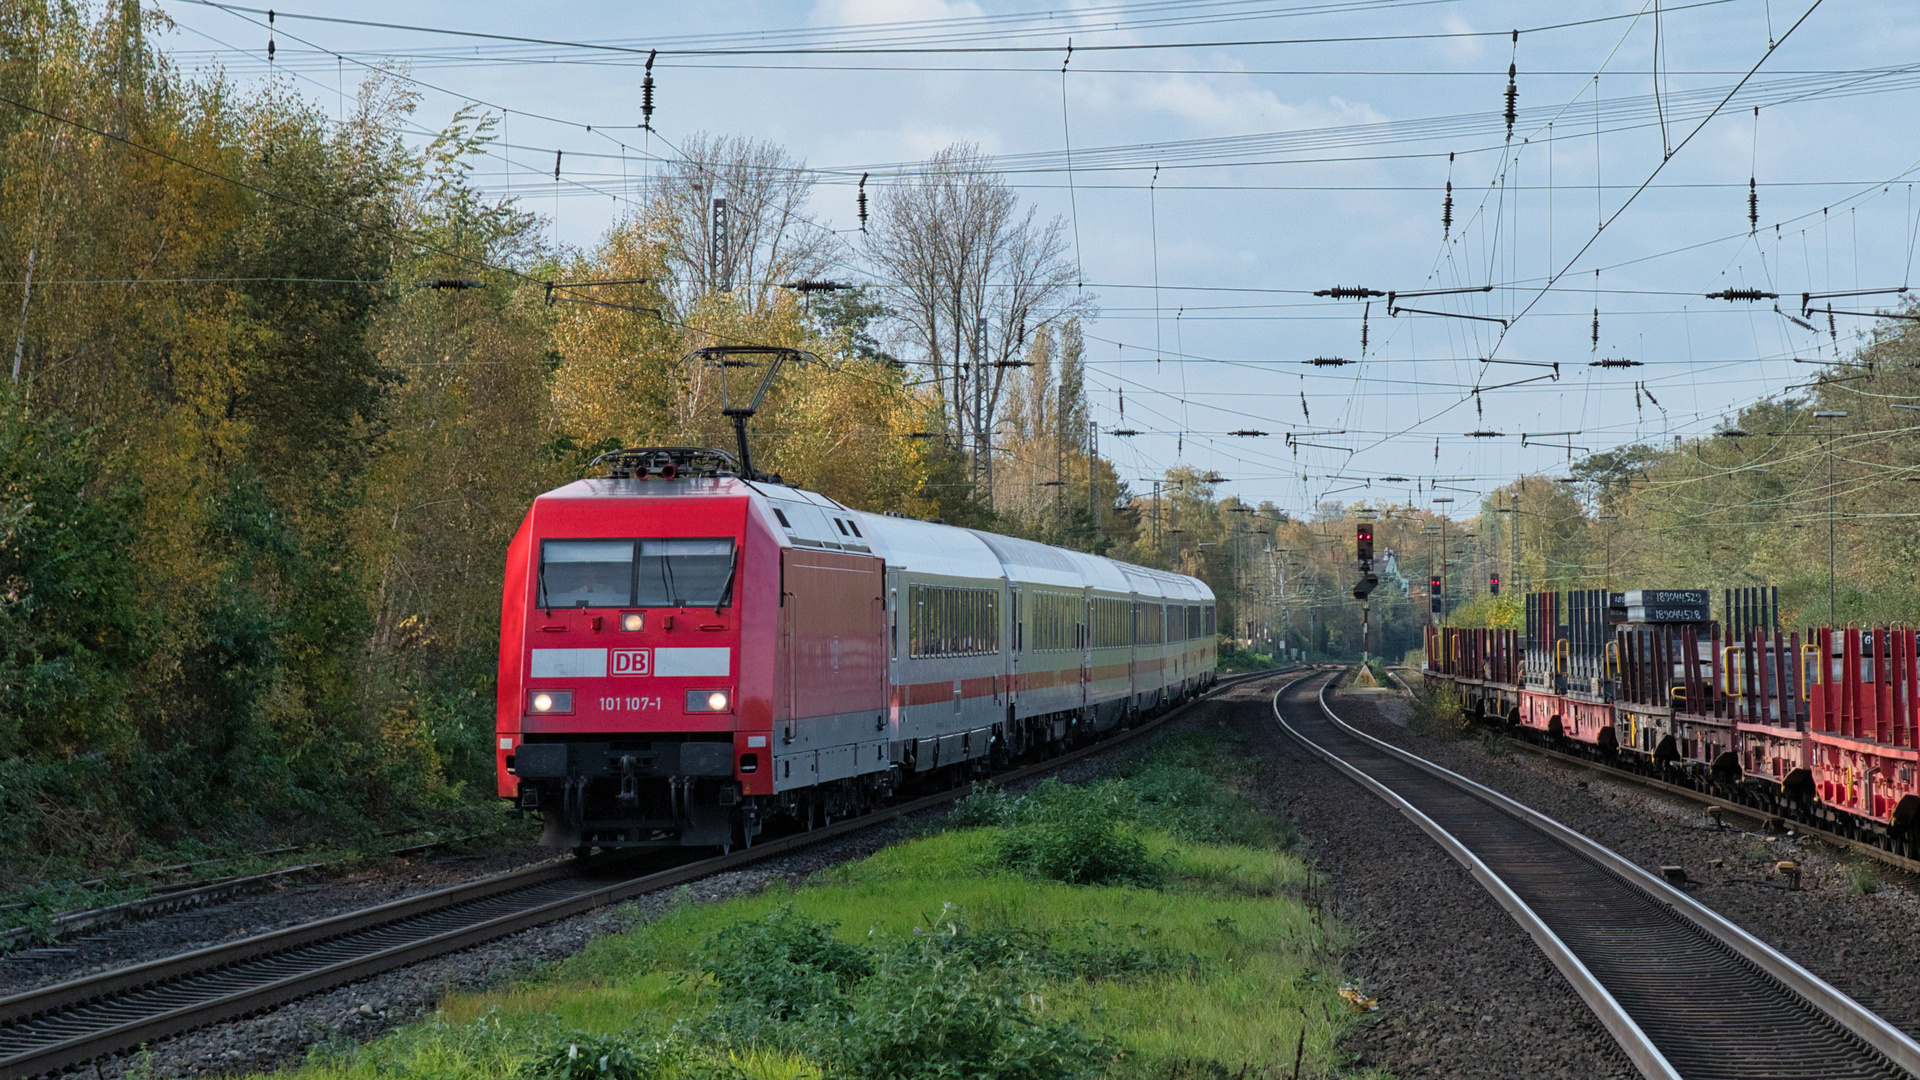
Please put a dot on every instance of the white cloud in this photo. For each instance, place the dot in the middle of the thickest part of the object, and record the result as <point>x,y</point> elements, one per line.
<point>1208,108</point>
<point>1460,49</point>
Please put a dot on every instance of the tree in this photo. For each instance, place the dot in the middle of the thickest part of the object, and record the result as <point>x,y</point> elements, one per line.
<point>769,238</point>
<point>973,279</point>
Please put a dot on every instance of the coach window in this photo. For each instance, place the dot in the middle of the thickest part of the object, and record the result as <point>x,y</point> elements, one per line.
<point>586,573</point>
<point>685,573</point>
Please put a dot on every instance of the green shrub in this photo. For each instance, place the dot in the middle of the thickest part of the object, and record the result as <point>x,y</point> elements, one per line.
<point>1079,848</point>
<point>1862,880</point>
<point>1437,714</point>
<point>580,1055</point>
<point>933,1011</point>
<point>783,967</point>
<point>984,805</point>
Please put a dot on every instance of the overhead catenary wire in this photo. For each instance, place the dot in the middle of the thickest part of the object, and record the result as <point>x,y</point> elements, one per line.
<point>1158,309</point>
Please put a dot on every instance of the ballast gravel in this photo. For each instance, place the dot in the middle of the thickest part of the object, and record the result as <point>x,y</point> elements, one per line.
<point>1854,922</point>
<point>1463,992</point>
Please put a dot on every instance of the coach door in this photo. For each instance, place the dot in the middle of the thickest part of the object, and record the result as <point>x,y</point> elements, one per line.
<point>1086,645</point>
<point>1016,626</point>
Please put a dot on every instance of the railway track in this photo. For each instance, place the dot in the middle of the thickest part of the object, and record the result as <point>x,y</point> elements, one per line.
<point>1684,992</point>
<point>72,1023</point>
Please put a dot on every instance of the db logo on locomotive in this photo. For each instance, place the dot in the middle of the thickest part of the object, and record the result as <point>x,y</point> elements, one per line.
<point>632,662</point>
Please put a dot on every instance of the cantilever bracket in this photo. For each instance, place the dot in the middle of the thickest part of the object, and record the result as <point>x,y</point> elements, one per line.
<point>1395,311</point>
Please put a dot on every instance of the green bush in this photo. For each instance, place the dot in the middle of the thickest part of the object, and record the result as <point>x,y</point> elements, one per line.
<point>1079,848</point>
<point>783,967</point>
<point>985,805</point>
<point>932,1011</point>
<point>582,1056</point>
<point>1437,714</point>
<point>948,1003</point>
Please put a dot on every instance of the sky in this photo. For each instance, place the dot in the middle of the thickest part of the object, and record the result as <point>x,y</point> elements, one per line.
<point>1218,162</point>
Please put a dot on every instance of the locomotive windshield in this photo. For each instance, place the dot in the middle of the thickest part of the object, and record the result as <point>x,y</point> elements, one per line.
<point>636,573</point>
<point>685,573</point>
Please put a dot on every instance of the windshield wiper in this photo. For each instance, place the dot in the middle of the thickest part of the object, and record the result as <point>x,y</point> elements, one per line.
<point>726,591</point>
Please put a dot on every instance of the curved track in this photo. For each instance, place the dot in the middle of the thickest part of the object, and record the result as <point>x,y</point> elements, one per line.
<point>1683,991</point>
<point>72,1023</point>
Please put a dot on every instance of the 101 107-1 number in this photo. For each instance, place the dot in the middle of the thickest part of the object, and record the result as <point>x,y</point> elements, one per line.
<point>628,704</point>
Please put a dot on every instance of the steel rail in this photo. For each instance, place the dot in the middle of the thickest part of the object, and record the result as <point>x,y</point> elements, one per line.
<point>1685,992</point>
<point>1747,810</point>
<point>72,1023</point>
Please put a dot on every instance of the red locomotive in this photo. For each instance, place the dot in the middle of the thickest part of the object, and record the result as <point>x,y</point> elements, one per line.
<point>1823,726</point>
<point>686,655</point>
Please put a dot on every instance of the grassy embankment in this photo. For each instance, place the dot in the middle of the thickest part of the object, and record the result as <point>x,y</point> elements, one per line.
<point>1150,924</point>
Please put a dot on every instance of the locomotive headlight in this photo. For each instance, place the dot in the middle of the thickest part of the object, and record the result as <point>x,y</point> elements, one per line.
<point>551,701</point>
<point>633,622</point>
<point>709,701</point>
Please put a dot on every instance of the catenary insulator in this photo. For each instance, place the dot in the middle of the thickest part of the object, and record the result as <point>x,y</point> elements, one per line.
<point>1513,98</point>
<point>646,93</point>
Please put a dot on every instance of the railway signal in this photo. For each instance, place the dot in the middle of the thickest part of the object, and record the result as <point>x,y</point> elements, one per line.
<point>1368,582</point>
<point>1363,545</point>
<point>1493,584</point>
<point>1434,600</point>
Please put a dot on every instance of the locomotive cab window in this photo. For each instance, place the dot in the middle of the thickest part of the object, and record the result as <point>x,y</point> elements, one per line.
<point>636,573</point>
<point>586,573</point>
<point>685,573</point>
